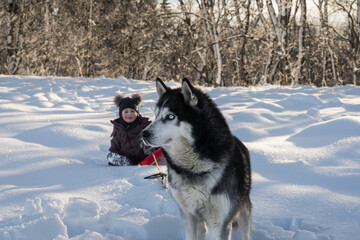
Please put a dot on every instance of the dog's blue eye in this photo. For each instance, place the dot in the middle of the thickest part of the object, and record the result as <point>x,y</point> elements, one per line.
<point>170,117</point>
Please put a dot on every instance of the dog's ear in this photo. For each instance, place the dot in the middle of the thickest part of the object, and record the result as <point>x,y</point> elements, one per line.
<point>117,99</point>
<point>161,87</point>
<point>187,91</point>
<point>137,98</point>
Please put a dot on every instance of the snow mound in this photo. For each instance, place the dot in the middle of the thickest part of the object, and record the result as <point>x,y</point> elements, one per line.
<point>326,133</point>
<point>300,101</point>
<point>53,135</point>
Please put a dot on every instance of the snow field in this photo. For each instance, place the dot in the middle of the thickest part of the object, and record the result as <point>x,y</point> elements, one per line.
<point>55,183</point>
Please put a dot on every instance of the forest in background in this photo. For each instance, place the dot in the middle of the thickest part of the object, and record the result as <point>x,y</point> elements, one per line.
<point>212,42</point>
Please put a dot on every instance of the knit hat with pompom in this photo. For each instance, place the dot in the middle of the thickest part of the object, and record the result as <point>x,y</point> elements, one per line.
<point>126,102</point>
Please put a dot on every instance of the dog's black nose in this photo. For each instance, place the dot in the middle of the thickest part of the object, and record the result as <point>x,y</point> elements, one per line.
<point>145,134</point>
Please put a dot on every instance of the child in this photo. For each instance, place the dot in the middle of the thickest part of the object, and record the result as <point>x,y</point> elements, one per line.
<point>125,149</point>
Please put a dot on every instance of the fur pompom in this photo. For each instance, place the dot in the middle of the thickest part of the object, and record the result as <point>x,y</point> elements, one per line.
<point>117,99</point>
<point>137,98</point>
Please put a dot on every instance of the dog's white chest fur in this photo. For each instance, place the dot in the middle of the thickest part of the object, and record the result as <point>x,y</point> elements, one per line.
<point>198,200</point>
<point>191,198</point>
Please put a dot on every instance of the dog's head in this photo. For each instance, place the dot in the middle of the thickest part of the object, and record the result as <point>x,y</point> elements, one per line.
<point>175,109</point>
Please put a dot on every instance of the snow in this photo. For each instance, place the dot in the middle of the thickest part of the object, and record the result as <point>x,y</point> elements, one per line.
<point>55,182</point>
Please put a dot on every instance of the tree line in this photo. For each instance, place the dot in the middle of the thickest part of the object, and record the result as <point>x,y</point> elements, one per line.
<point>213,42</point>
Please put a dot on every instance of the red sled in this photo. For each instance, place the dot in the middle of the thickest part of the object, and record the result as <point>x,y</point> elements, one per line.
<point>150,160</point>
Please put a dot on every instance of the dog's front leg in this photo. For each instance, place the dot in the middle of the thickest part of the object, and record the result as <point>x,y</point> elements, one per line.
<point>219,230</point>
<point>194,230</point>
<point>201,230</point>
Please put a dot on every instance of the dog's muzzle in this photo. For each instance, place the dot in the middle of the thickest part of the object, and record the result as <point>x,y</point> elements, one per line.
<point>145,135</point>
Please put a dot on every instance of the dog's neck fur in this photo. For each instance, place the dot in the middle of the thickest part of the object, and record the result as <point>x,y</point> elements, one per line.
<point>183,171</point>
<point>184,161</point>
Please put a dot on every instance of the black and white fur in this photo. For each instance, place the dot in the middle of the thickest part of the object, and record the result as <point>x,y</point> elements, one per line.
<point>208,168</point>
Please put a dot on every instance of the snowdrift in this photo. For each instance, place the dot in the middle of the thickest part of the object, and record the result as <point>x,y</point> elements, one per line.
<point>55,182</point>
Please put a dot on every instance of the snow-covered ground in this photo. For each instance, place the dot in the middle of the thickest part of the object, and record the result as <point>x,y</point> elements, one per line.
<point>55,182</point>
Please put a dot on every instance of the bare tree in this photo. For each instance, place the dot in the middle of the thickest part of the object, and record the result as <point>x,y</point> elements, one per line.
<point>278,67</point>
<point>300,42</point>
<point>210,24</point>
<point>326,45</point>
<point>352,10</point>
<point>14,35</point>
<point>201,63</point>
<point>218,42</point>
<point>243,28</point>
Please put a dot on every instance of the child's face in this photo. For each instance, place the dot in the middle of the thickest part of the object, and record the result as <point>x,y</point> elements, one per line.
<point>128,115</point>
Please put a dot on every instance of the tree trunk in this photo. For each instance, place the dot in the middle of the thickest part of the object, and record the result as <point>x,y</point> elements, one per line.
<point>14,36</point>
<point>358,41</point>
<point>212,30</point>
<point>201,64</point>
<point>280,25</point>
<point>301,42</point>
<point>323,11</point>
<point>88,59</point>
<point>243,30</point>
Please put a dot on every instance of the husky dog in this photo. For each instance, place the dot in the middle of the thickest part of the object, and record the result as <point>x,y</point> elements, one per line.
<point>209,172</point>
